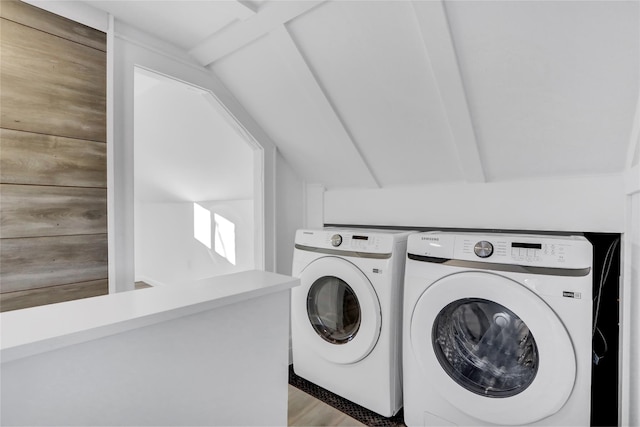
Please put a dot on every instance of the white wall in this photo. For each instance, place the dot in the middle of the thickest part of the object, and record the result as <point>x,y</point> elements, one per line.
<point>129,49</point>
<point>167,253</point>
<point>630,292</point>
<point>186,152</point>
<point>631,327</point>
<point>629,303</point>
<point>289,213</point>
<point>569,204</point>
<point>314,211</point>
<point>185,149</point>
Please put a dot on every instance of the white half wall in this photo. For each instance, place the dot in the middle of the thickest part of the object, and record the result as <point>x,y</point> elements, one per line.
<point>580,204</point>
<point>212,362</point>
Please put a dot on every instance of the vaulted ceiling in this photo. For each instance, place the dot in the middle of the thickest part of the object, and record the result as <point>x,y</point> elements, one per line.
<point>386,93</point>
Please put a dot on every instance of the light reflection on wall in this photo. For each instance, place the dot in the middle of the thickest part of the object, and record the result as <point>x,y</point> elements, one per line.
<point>225,238</point>
<point>202,225</point>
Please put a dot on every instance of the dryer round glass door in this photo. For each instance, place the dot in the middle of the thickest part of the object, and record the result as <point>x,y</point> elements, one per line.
<point>339,308</point>
<point>333,310</point>
<point>493,348</point>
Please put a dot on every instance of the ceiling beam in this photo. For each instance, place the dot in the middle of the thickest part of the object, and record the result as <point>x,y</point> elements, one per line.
<point>436,37</point>
<point>248,5</point>
<point>240,9</point>
<point>290,54</point>
<point>271,15</point>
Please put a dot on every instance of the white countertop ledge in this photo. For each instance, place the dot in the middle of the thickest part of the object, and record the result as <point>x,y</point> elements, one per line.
<point>39,329</point>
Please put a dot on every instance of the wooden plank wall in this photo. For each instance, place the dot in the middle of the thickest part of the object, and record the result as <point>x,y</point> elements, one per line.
<point>53,180</point>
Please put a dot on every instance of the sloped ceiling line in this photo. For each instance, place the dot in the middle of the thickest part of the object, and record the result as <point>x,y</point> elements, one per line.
<point>440,52</point>
<point>293,57</point>
<point>272,15</point>
<point>242,132</point>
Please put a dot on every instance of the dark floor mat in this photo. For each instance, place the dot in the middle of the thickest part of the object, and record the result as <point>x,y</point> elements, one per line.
<point>361,414</point>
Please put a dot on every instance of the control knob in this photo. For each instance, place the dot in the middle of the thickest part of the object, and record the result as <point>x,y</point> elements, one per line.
<point>336,240</point>
<point>483,249</point>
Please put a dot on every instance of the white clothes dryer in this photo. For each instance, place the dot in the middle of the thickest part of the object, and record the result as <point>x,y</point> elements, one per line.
<point>497,330</point>
<point>346,315</point>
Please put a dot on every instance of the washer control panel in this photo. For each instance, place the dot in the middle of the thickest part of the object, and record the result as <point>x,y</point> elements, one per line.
<point>542,251</point>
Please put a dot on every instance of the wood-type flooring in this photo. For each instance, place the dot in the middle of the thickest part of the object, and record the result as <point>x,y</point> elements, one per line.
<point>306,410</point>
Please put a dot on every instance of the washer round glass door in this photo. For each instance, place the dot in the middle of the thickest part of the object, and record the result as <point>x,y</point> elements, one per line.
<point>492,348</point>
<point>485,347</point>
<point>341,307</point>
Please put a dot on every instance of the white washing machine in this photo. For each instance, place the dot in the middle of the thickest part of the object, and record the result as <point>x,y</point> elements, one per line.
<point>497,330</point>
<point>346,315</point>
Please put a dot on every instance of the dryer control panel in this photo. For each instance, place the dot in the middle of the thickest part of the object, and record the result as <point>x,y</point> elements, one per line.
<point>528,250</point>
<point>343,240</point>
